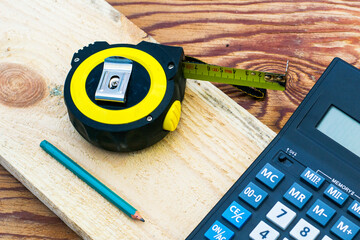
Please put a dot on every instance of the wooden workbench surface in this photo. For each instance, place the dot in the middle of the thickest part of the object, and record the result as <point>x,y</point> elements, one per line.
<point>257,35</point>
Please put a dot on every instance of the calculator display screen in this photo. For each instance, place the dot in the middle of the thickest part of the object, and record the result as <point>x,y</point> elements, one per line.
<point>341,128</point>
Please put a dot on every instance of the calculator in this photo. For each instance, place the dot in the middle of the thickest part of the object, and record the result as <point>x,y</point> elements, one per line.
<point>306,184</point>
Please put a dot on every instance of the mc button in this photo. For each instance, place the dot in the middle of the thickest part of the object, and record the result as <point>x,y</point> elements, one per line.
<point>270,176</point>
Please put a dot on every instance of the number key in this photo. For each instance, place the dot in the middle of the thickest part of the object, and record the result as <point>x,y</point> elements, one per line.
<point>304,231</point>
<point>281,215</point>
<point>264,232</point>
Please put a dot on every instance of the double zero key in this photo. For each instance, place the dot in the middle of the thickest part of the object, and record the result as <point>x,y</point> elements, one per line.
<point>253,195</point>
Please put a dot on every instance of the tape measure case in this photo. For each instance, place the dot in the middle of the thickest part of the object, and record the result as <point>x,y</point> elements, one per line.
<point>125,97</point>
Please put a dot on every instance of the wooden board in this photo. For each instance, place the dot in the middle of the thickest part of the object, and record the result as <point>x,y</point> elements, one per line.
<point>174,183</point>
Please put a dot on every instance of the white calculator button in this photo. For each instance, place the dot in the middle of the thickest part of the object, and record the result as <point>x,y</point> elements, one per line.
<point>263,231</point>
<point>281,215</point>
<point>304,231</point>
<point>326,238</point>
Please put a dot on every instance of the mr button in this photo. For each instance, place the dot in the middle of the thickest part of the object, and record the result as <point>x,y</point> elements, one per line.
<point>270,176</point>
<point>297,195</point>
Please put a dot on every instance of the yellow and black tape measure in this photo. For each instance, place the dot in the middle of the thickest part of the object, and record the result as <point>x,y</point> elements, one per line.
<point>126,97</point>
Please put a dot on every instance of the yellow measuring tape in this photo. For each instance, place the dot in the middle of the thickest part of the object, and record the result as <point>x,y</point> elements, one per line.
<point>195,69</point>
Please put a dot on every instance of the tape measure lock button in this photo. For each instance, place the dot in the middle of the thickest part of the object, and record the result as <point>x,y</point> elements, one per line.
<point>112,91</point>
<point>172,117</point>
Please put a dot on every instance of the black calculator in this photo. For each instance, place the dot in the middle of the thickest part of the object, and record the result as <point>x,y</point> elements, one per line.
<point>306,184</point>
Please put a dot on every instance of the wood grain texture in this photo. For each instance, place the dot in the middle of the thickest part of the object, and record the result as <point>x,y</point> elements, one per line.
<point>173,183</point>
<point>259,35</point>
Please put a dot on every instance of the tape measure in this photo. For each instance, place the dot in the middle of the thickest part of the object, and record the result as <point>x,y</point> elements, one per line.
<point>233,76</point>
<point>126,97</point>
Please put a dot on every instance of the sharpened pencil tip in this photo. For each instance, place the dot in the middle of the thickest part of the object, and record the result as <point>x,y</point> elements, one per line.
<point>137,216</point>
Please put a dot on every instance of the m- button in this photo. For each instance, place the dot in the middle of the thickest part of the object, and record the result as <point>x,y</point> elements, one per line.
<point>270,176</point>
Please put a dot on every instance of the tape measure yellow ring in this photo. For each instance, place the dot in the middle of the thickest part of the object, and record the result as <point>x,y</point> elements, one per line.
<point>125,97</point>
<point>142,109</point>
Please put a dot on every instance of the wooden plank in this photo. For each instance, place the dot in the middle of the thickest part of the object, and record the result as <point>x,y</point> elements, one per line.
<point>309,33</point>
<point>174,183</point>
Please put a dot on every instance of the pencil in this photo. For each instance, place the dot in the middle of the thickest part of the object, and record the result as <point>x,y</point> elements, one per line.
<point>91,181</point>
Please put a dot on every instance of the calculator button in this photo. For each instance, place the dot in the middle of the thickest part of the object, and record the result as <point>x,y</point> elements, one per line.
<point>354,208</point>
<point>312,178</point>
<point>281,215</point>
<point>345,229</point>
<point>219,231</point>
<point>304,231</point>
<point>297,195</point>
<point>270,176</point>
<point>321,212</point>
<point>236,214</point>
<point>263,231</point>
<point>335,194</point>
<point>253,195</point>
<point>326,238</point>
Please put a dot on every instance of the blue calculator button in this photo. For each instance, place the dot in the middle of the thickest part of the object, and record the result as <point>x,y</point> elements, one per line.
<point>253,195</point>
<point>335,194</point>
<point>345,229</point>
<point>270,176</point>
<point>312,178</point>
<point>354,208</point>
<point>297,195</point>
<point>219,231</point>
<point>321,212</point>
<point>236,214</point>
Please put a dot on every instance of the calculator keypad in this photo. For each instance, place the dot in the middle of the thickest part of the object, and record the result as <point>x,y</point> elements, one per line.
<point>270,176</point>
<point>253,195</point>
<point>335,194</point>
<point>297,195</point>
<point>354,209</point>
<point>219,231</point>
<point>264,231</point>
<point>236,214</point>
<point>312,178</point>
<point>326,237</point>
<point>345,229</point>
<point>304,231</point>
<point>321,212</point>
<point>282,216</point>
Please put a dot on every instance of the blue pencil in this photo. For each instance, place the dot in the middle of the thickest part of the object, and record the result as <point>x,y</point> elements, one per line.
<point>91,181</point>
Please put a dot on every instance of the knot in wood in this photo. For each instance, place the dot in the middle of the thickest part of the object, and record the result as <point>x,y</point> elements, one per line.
<point>20,86</point>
